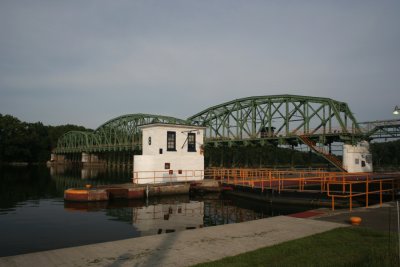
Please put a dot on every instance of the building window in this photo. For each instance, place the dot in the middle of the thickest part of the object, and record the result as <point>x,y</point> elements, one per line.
<point>191,142</point>
<point>362,163</point>
<point>171,141</point>
<point>357,161</point>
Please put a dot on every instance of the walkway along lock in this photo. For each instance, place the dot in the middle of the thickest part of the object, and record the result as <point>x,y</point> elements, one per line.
<point>335,185</point>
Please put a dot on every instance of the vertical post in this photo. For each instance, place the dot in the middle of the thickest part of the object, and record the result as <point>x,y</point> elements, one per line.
<point>392,189</point>
<point>351,196</point>
<point>237,127</point>
<point>366,191</point>
<point>343,185</point>
<point>222,157</point>
<point>380,193</point>
<point>324,120</point>
<point>270,118</point>
<point>262,181</point>
<point>398,225</point>
<point>305,116</point>
<point>279,182</point>
<point>287,117</point>
<point>330,119</point>
<point>253,120</point>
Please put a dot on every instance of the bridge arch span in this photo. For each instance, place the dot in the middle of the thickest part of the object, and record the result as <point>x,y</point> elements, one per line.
<point>123,133</point>
<point>76,142</point>
<point>274,116</point>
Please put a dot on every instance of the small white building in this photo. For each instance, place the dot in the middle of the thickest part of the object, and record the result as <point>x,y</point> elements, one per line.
<point>171,153</point>
<point>357,158</point>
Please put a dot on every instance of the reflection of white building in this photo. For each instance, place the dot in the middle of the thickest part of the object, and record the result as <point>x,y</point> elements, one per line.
<point>171,153</point>
<point>164,218</point>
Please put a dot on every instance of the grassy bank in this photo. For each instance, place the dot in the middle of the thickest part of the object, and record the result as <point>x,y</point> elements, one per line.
<point>340,247</point>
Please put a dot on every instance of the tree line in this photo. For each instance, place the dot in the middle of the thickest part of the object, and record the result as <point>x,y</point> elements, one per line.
<point>267,156</point>
<point>385,155</point>
<point>29,142</point>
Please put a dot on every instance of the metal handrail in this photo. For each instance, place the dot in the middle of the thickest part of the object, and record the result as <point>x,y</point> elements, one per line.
<point>187,176</point>
<point>284,180</point>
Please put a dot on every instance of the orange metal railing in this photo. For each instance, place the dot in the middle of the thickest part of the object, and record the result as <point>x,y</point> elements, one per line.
<point>368,187</point>
<point>334,184</point>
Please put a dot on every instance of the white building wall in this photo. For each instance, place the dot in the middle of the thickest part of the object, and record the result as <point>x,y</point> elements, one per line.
<point>157,165</point>
<point>151,169</point>
<point>158,137</point>
<point>357,158</point>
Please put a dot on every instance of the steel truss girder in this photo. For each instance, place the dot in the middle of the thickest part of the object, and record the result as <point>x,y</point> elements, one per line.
<point>247,121</point>
<point>277,117</point>
<point>386,129</point>
<point>119,134</point>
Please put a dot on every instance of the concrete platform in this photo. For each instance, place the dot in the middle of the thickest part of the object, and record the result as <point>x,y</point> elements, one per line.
<point>375,217</point>
<point>134,191</point>
<point>124,191</point>
<point>181,248</point>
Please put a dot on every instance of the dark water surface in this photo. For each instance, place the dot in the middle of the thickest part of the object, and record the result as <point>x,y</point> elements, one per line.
<point>34,217</point>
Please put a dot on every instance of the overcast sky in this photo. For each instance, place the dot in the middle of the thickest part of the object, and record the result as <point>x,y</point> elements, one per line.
<point>85,62</point>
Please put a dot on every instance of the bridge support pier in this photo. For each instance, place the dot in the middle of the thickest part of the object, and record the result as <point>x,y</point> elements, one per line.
<point>57,159</point>
<point>89,159</point>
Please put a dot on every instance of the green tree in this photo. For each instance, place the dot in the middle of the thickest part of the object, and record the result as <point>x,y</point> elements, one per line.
<point>29,142</point>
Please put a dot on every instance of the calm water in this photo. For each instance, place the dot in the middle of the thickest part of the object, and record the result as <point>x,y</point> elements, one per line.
<point>34,217</point>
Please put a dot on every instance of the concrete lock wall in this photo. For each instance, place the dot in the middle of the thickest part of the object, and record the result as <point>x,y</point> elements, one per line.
<point>158,165</point>
<point>357,158</point>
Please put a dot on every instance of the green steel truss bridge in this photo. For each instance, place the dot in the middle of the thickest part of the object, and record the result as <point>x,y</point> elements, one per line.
<point>387,129</point>
<point>261,120</point>
<point>118,134</point>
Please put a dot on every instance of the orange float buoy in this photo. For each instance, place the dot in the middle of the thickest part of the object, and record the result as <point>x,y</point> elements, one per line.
<point>355,220</point>
<point>85,194</point>
<point>76,195</point>
<point>88,186</point>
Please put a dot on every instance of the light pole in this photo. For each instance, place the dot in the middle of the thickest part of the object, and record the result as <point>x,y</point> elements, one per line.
<point>396,110</point>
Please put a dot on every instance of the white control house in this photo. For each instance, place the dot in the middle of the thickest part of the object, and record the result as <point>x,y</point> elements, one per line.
<point>171,153</point>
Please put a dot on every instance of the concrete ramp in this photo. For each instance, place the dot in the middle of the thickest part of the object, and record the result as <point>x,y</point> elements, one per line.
<point>180,248</point>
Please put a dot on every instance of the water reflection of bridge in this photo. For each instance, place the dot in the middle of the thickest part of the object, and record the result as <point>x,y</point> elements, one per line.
<point>74,177</point>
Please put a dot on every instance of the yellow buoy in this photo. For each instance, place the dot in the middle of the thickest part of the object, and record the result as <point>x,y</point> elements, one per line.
<point>88,186</point>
